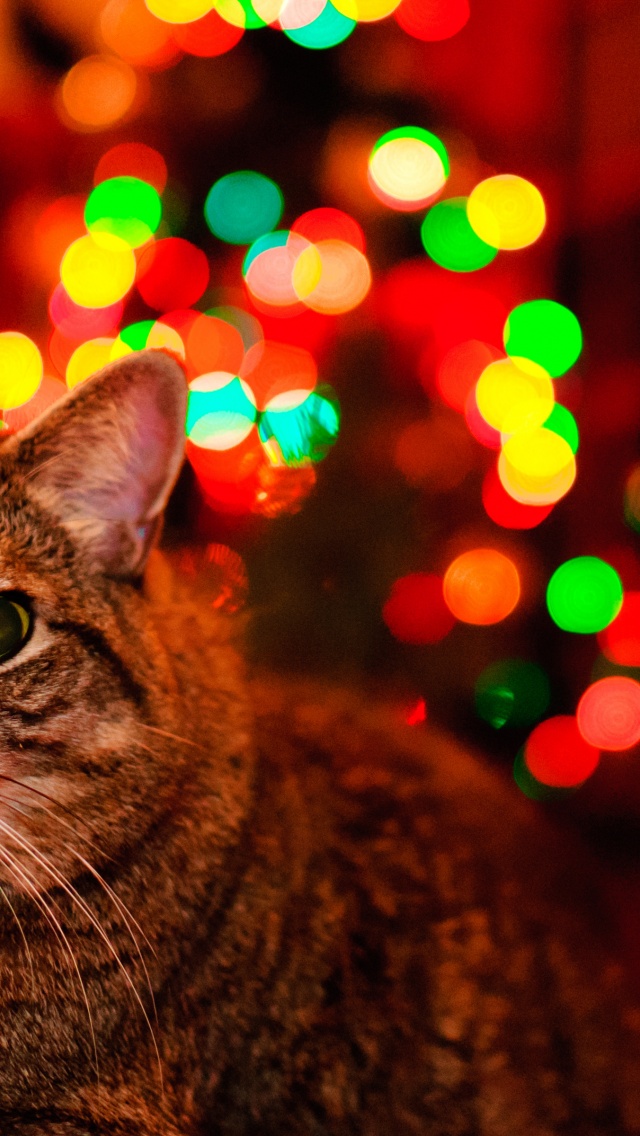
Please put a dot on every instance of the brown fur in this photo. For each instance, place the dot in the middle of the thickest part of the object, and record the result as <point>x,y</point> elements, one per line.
<point>345,928</point>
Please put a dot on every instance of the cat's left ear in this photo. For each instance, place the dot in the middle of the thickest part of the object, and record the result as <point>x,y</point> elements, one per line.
<point>105,458</point>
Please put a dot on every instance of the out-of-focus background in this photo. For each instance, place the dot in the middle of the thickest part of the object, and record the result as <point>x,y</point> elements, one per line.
<point>397,246</point>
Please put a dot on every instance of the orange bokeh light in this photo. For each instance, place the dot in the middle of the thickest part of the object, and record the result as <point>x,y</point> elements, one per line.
<point>482,586</point>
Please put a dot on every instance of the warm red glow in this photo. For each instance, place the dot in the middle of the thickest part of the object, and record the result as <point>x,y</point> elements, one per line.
<point>557,754</point>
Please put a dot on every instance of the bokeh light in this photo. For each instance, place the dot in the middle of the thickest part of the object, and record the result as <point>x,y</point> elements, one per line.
<point>330,27</point>
<point>57,226</point>
<point>546,332</point>
<point>460,368</point>
<point>209,36</point>
<point>537,466</point>
<point>125,206</point>
<point>344,278</point>
<point>408,167</point>
<point>482,586</point>
<point>608,713</point>
<point>514,396</point>
<point>531,787</point>
<point>132,159</point>
<point>300,427</point>
<point>137,36</point>
<point>326,224</point>
<point>222,396</point>
<point>241,206</point>
<point>558,754</point>
<point>506,211</point>
<point>432,19</point>
<point>88,358</point>
<point>512,692</point>
<point>212,344</point>
<point>269,267</point>
<point>449,239</point>
<point>21,369</point>
<point>367,11</point>
<point>415,611</point>
<point>632,499</point>
<point>620,640</point>
<point>505,510</point>
<point>478,426</point>
<point>77,322</point>
<point>434,452</point>
<point>179,11</point>
<point>49,391</point>
<point>584,595</point>
<point>172,273</point>
<point>98,270</point>
<point>562,422</point>
<point>272,369</point>
<point>98,91</point>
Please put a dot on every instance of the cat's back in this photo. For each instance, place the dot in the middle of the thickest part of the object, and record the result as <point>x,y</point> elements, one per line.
<point>465,985</point>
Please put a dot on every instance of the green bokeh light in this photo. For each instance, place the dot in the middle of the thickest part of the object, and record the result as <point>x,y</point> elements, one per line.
<point>562,422</point>
<point>449,239</point>
<point>136,334</point>
<point>546,332</point>
<point>229,398</point>
<point>125,206</point>
<point>512,692</point>
<point>584,595</point>
<point>328,29</point>
<point>421,135</point>
<point>305,432</point>
<point>242,206</point>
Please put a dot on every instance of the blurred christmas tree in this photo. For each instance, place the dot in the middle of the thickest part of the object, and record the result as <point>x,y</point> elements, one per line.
<point>368,228</point>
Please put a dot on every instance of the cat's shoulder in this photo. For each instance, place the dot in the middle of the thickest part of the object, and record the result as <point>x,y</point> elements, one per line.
<point>473,927</point>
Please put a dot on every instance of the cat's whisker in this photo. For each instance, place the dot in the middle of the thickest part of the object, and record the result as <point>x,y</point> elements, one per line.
<point>115,899</point>
<point>19,872</point>
<point>24,938</point>
<point>53,801</point>
<point>124,912</point>
<point>44,861</point>
<point>168,734</point>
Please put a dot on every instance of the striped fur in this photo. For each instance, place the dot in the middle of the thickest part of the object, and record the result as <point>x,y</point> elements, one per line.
<point>235,909</point>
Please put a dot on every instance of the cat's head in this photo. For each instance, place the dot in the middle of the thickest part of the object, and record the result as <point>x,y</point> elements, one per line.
<point>86,690</point>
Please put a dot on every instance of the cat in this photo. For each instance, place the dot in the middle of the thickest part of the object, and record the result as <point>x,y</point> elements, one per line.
<point>243,905</point>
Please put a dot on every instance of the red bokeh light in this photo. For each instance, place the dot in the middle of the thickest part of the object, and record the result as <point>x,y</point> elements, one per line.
<point>172,273</point>
<point>213,344</point>
<point>415,611</point>
<point>208,36</point>
<point>556,753</point>
<point>133,159</point>
<point>330,224</point>
<point>432,19</point>
<point>620,641</point>
<point>507,512</point>
<point>271,369</point>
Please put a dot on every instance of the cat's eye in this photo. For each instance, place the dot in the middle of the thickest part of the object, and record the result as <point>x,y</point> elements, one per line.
<point>15,624</point>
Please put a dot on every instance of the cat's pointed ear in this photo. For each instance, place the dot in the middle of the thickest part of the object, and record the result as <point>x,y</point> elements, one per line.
<point>105,459</point>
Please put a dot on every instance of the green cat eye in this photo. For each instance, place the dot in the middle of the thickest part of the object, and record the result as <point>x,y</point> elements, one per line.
<point>15,622</point>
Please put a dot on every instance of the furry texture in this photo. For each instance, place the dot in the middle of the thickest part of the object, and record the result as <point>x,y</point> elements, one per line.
<point>232,909</point>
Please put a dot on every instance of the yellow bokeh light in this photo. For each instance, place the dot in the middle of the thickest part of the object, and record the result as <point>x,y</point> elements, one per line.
<point>537,467</point>
<point>267,10</point>
<point>307,271</point>
<point>344,281</point>
<point>179,11</point>
<point>162,335</point>
<point>98,270</point>
<point>98,91</point>
<point>20,369</point>
<point>366,11</point>
<point>407,171</point>
<point>506,211</point>
<point>88,358</point>
<point>514,395</point>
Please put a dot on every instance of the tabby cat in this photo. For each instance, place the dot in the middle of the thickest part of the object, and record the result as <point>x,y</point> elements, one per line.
<point>232,907</point>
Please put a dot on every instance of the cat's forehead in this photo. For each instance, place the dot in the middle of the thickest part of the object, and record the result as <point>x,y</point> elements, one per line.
<point>33,545</point>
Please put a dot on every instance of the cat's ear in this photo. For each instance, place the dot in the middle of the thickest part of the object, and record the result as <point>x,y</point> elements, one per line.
<point>104,460</point>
